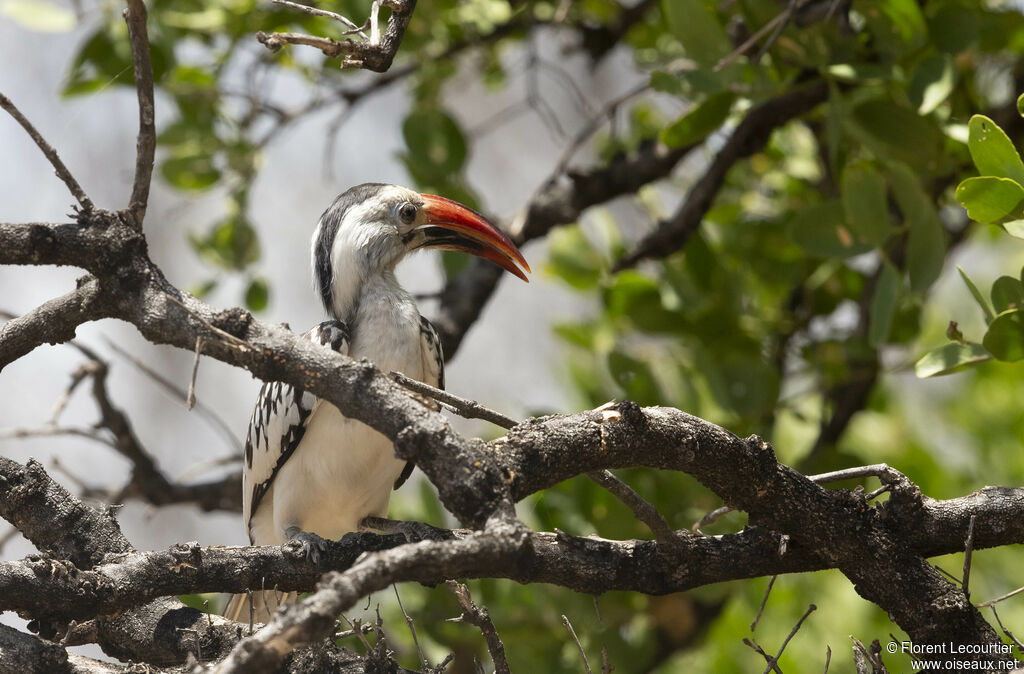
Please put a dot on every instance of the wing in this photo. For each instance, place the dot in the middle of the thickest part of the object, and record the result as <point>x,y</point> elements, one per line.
<point>433,374</point>
<point>278,423</point>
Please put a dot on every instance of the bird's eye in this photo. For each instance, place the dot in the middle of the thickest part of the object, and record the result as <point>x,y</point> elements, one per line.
<point>407,212</point>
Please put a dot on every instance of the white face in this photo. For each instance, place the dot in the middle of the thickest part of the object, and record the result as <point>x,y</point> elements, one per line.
<point>373,235</point>
<point>379,227</point>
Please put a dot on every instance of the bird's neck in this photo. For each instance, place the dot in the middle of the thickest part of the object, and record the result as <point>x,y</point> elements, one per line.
<point>353,297</point>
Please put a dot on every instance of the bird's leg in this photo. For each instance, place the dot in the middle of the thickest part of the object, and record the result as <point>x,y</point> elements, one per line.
<point>313,545</point>
<point>413,531</point>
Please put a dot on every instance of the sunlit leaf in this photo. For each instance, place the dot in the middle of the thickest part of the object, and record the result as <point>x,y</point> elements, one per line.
<point>978,297</point>
<point>932,83</point>
<point>990,199</point>
<point>950,358</point>
<point>992,151</point>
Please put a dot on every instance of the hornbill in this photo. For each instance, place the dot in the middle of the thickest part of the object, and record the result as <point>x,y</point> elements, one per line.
<point>311,474</point>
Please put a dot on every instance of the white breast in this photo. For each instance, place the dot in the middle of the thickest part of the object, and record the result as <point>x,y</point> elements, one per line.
<point>343,470</point>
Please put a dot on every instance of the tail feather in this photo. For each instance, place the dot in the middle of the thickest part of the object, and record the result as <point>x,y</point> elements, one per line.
<point>264,603</point>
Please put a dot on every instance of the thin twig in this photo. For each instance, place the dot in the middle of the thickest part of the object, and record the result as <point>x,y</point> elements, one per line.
<point>58,166</point>
<point>412,630</point>
<point>1020,647</point>
<point>993,602</point>
<point>760,651</point>
<point>323,12</point>
<point>828,658</point>
<point>968,552</point>
<point>642,509</point>
<point>179,394</point>
<point>884,471</point>
<point>764,602</point>
<point>464,407</point>
<point>145,146</point>
<point>568,626</point>
<point>227,337</point>
<point>792,633</point>
<point>190,399</point>
<point>479,616</point>
<point>780,18</point>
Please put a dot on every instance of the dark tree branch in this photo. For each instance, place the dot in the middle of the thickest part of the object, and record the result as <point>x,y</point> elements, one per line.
<point>370,55</point>
<point>53,520</point>
<point>313,619</point>
<point>62,171</point>
<point>53,322</point>
<point>749,137</point>
<point>145,147</point>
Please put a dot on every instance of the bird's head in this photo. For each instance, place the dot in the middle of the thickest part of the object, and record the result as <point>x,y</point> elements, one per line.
<point>371,227</point>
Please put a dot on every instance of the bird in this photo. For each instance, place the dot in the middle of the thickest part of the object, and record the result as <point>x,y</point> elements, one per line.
<point>310,473</point>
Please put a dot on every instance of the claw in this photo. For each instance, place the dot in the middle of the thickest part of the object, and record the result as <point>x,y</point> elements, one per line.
<point>312,544</point>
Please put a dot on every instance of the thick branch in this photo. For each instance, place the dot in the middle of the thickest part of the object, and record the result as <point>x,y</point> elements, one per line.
<point>53,322</point>
<point>56,522</point>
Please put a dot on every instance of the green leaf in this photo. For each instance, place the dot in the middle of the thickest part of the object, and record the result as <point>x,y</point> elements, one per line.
<point>1005,336</point>
<point>932,83</point>
<point>696,124</point>
<point>573,258</point>
<point>1007,293</point>
<point>926,252</point>
<point>864,202</point>
<point>950,358</point>
<point>1020,105</point>
<point>696,26</point>
<point>232,245</point>
<point>990,199</point>
<point>899,133</point>
<point>257,295</point>
<point>926,248</point>
<point>992,151</point>
<point>819,229</point>
<point>37,15</point>
<point>194,171</point>
<point>978,297</point>
<point>634,377</point>
<point>667,83</point>
<point>883,305</point>
<point>435,142</point>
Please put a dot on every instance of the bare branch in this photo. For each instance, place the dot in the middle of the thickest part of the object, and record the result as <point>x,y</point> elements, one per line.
<point>478,616</point>
<point>572,633</point>
<point>643,509</point>
<point>796,628</point>
<point>322,12</point>
<point>469,409</point>
<point>62,171</point>
<point>54,321</point>
<point>145,146</point>
<point>369,54</point>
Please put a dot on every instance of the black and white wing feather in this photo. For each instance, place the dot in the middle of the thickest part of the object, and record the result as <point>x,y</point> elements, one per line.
<point>278,423</point>
<point>433,374</point>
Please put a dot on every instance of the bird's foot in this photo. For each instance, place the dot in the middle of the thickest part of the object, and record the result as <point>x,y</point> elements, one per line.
<point>313,546</point>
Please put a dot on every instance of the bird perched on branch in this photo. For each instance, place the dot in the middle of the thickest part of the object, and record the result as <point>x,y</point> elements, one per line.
<point>311,474</point>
